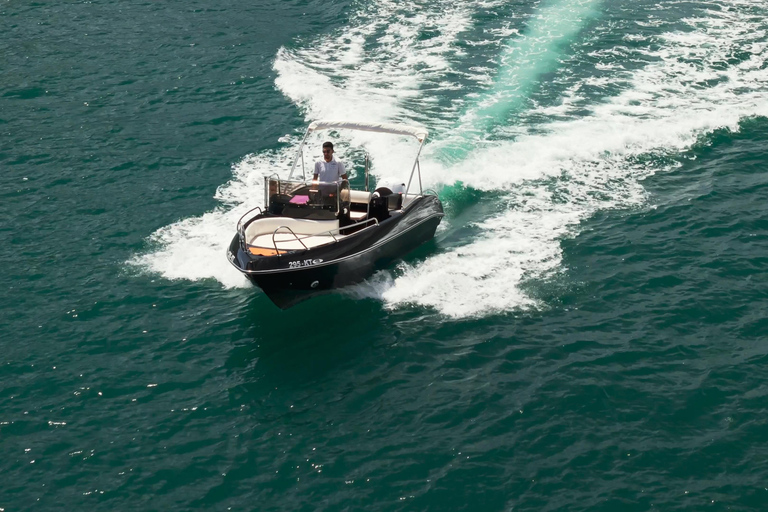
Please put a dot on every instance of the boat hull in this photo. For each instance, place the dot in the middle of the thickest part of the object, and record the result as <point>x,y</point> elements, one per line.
<point>292,278</point>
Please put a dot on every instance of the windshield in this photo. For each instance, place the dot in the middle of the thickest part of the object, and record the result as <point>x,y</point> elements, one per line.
<point>297,199</point>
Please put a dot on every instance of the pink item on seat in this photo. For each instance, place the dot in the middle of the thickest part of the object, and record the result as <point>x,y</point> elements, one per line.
<point>299,199</point>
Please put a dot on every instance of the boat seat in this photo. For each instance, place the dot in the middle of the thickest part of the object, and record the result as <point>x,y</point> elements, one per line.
<point>305,234</point>
<point>268,225</point>
<point>359,196</point>
<point>360,200</point>
<point>288,242</point>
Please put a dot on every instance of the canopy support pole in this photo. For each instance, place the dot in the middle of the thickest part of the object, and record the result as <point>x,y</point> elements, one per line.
<point>415,166</point>
<point>421,189</point>
<point>300,152</point>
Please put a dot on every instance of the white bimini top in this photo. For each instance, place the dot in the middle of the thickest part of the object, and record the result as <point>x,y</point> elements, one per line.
<point>398,129</point>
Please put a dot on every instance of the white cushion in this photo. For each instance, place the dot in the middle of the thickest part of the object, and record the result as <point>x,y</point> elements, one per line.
<point>359,196</point>
<point>268,225</point>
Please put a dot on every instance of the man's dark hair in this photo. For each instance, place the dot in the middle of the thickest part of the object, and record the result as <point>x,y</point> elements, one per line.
<point>328,145</point>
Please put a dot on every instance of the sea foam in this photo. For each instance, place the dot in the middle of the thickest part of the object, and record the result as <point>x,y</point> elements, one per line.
<point>545,177</point>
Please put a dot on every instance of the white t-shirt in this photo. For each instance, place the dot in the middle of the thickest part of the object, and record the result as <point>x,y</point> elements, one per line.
<point>330,172</point>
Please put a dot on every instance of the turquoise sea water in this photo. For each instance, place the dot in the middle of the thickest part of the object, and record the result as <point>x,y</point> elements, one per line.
<point>587,331</point>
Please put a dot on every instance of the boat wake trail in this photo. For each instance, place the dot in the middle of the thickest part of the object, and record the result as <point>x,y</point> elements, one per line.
<point>522,62</point>
<point>549,115</point>
<point>557,172</point>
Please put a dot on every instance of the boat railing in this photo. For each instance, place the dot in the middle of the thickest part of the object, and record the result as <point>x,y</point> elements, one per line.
<point>373,220</point>
<point>241,225</point>
<point>274,242</point>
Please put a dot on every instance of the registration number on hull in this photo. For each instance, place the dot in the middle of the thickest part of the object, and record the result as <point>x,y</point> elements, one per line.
<point>303,263</point>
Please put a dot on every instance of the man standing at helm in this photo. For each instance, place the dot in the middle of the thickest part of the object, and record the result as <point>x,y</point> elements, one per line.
<point>329,169</point>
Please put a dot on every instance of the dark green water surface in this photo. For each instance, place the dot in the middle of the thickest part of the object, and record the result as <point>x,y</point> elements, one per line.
<point>588,331</point>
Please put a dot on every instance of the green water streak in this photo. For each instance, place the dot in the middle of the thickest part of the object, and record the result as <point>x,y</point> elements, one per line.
<point>524,59</point>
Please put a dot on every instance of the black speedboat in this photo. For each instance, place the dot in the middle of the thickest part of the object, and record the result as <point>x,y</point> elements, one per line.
<point>314,237</point>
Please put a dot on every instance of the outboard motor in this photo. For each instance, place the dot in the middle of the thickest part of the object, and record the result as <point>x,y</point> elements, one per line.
<point>399,192</point>
<point>394,198</point>
<point>395,201</point>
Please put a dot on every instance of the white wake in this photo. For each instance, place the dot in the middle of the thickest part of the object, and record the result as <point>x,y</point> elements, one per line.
<point>553,169</point>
